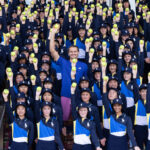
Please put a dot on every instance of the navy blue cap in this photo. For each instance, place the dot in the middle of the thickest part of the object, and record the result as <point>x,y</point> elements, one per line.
<point>47,90</point>
<point>29,27</point>
<point>30,34</point>
<point>14,11</point>
<point>117,101</point>
<point>97,70</point>
<point>45,62</point>
<point>23,83</point>
<point>35,28</point>
<point>125,33</point>
<point>83,105</point>
<point>127,53</point>
<point>112,61</point>
<point>81,26</point>
<point>55,21</point>
<point>21,104</point>
<point>18,73</point>
<point>115,89</point>
<point>46,104</point>
<point>21,95</point>
<point>59,35</point>
<point>12,25</point>
<point>103,25</point>
<point>143,86</point>
<point>85,90</point>
<point>48,80</point>
<point>46,53</point>
<point>128,69</point>
<point>42,70</point>
<point>95,59</point>
<point>96,33</point>
<point>130,39</point>
<point>100,48</point>
<point>113,78</point>
<point>21,56</point>
<point>96,39</point>
<point>133,60</point>
<point>129,25</point>
<point>41,29</point>
<point>24,49</point>
<point>69,28</point>
<point>28,41</point>
<point>23,66</point>
<point>84,78</point>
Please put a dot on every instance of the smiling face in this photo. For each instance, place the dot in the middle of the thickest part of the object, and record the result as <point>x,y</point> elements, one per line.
<point>117,108</point>
<point>46,111</point>
<point>103,31</point>
<point>47,97</point>
<point>131,44</point>
<point>85,96</point>
<point>81,33</point>
<point>143,93</point>
<point>97,76</point>
<point>45,58</point>
<point>48,85</point>
<point>19,78</point>
<point>127,58</point>
<point>23,71</point>
<point>73,52</point>
<point>113,84</point>
<point>127,76</point>
<point>112,94</point>
<point>84,84</point>
<point>83,112</point>
<point>112,68</point>
<point>42,76</point>
<point>21,111</point>
<point>23,89</point>
<point>95,65</point>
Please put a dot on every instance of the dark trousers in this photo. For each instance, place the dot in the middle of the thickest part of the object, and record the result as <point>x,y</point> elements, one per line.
<point>141,133</point>
<point>106,134</point>
<point>19,146</point>
<point>131,113</point>
<point>148,145</point>
<point>82,147</point>
<point>46,145</point>
<point>117,143</point>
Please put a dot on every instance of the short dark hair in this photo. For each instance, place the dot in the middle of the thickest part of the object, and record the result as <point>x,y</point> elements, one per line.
<point>73,46</point>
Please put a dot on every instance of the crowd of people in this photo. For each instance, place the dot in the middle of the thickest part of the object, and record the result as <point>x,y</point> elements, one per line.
<point>81,60</point>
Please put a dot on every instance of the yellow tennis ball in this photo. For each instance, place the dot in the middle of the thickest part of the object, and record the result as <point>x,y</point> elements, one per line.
<point>74,84</point>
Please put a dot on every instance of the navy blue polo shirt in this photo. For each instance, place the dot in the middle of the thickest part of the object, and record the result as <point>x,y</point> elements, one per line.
<point>81,70</point>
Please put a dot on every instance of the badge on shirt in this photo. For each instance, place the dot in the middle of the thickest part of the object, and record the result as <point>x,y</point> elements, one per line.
<point>25,125</point>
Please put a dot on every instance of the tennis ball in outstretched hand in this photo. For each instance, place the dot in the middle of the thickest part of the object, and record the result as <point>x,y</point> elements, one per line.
<point>33,77</point>
<point>73,68</point>
<point>106,78</point>
<point>9,69</point>
<point>74,84</point>
<point>13,53</point>
<point>10,74</point>
<point>91,50</point>
<point>34,60</point>
<point>6,91</point>
<point>134,67</point>
<point>39,88</point>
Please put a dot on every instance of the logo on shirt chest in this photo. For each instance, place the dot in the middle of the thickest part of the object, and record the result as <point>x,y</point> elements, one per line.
<point>25,125</point>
